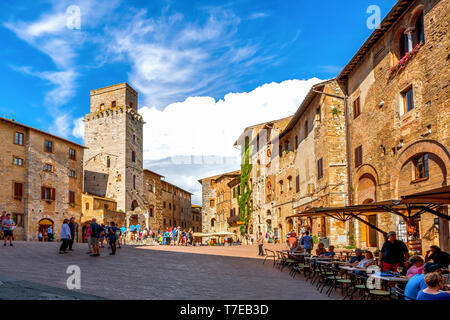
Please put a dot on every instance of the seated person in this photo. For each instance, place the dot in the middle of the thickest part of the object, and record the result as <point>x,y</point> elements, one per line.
<point>320,251</point>
<point>436,255</point>
<point>417,282</point>
<point>330,253</point>
<point>416,267</point>
<point>434,284</point>
<point>367,261</point>
<point>357,258</point>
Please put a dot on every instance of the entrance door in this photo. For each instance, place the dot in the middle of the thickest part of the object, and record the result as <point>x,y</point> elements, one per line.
<point>372,233</point>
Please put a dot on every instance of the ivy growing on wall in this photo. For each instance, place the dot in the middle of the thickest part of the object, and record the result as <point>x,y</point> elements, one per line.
<point>246,192</point>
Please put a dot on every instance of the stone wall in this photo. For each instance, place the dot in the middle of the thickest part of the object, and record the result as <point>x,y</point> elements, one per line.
<point>31,209</point>
<point>397,136</point>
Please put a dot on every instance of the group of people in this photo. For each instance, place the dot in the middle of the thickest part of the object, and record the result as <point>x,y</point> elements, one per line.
<point>174,236</point>
<point>97,234</point>
<point>426,280</point>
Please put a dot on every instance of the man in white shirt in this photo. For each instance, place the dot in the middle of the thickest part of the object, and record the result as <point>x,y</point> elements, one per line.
<point>65,236</point>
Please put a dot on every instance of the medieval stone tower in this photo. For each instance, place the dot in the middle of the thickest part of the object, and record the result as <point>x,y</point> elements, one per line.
<point>113,139</point>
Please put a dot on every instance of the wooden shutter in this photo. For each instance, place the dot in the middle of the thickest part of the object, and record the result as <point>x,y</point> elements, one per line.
<point>53,191</point>
<point>43,193</point>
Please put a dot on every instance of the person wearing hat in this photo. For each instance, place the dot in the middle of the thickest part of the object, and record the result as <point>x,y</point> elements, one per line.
<point>393,253</point>
<point>358,256</point>
<point>417,282</point>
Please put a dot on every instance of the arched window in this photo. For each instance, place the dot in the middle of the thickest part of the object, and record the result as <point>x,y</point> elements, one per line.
<point>133,156</point>
<point>134,182</point>
<point>419,31</point>
<point>108,162</point>
<point>212,222</point>
<point>403,44</point>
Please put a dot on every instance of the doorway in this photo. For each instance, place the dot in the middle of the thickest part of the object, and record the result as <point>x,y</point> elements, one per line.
<point>43,226</point>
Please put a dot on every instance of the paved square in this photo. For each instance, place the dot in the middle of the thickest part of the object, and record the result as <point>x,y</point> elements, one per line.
<point>157,272</point>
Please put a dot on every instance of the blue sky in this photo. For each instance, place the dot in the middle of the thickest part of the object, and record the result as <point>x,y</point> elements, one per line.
<point>191,62</point>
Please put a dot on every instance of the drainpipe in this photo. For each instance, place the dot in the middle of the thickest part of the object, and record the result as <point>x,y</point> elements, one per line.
<point>348,149</point>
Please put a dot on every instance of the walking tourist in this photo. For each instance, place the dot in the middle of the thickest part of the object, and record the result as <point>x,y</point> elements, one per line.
<point>260,244</point>
<point>393,253</point>
<point>8,226</point>
<point>434,284</point>
<point>96,230</point>
<point>438,256</point>
<point>72,232</point>
<point>50,234</point>
<point>65,236</point>
<point>417,282</point>
<point>307,242</point>
<point>112,231</point>
<point>88,237</point>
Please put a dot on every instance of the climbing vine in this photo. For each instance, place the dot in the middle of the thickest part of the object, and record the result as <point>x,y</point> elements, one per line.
<point>246,192</point>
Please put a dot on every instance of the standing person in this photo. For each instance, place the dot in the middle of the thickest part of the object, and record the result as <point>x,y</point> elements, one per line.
<point>112,231</point>
<point>72,232</point>
<point>88,237</point>
<point>96,230</point>
<point>393,253</point>
<point>307,242</point>
<point>65,236</point>
<point>260,244</point>
<point>49,233</point>
<point>8,227</point>
<point>123,234</point>
<point>40,236</point>
<point>3,217</point>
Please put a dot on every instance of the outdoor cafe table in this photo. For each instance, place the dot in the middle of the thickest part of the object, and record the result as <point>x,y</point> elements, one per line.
<point>350,268</point>
<point>396,279</point>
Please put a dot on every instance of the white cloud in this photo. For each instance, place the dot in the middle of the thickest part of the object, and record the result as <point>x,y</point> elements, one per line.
<point>194,139</point>
<point>258,15</point>
<point>78,128</point>
<point>203,126</point>
<point>172,59</point>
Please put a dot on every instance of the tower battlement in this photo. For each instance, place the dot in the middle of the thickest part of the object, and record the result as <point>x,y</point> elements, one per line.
<point>110,97</point>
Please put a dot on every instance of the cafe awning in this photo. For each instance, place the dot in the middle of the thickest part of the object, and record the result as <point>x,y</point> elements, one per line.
<point>222,234</point>
<point>409,207</point>
<point>201,235</point>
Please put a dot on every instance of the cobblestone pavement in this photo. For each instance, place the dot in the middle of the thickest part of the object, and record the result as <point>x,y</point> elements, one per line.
<point>154,273</point>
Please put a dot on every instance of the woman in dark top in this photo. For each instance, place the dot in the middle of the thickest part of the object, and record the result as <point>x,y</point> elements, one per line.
<point>438,256</point>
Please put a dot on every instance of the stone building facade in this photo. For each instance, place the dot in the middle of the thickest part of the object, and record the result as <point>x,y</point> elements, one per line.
<point>405,103</point>
<point>176,206</point>
<point>264,145</point>
<point>196,218</point>
<point>312,161</point>
<point>42,179</point>
<point>114,138</point>
<point>215,209</point>
<point>153,196</point>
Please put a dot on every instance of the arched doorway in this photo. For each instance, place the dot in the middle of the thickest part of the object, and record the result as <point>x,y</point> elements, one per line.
<point>134,205</point>
<point>43,226</point>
